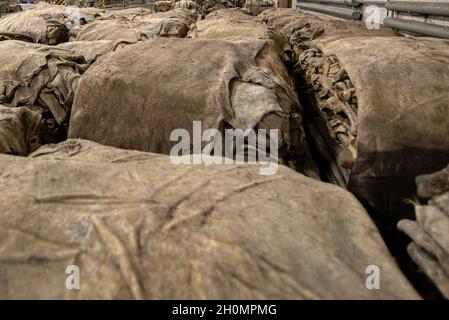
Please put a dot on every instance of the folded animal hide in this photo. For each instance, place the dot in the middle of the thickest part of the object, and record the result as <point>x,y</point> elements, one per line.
<point>135,98</point>
<point>188,4</point>
<point>138,226</point>
<point>233,24</point>
<point>229,24</point>
<point>305,30</point>
<point>19,130</point>
<point>258,6</point>
<point>367,119</point>
<point>164,5</point>
<point>43,78</point>
<point>379,114</point>
<point>128,13</point>
<point>209,6</point>
<point>430,231</point>
<point>46,24</point>
<point>92,50</point>
<point>173,23</point>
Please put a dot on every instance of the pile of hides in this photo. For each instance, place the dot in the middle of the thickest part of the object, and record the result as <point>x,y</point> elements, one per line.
<point>174,16</point>
<point>187,4</point>
<point>165,231</point>
<point>46,24</point>
<point>236,24</point>
<point>278,14</point>
<point>136,97</point>
<point>129,13</point>
<point>136,27</point>
<point>430,231</point>
<point>234,14</point>
<point>379,117</point>
<point>229,24</point>
<point>258,6</point>
<point>164,5</point>
<point>93,50</point>
<point>366,122</point>
<point>208,6</point>
<point>19,130</point>
<point>42,78</point>
<point>306,30</point>
<point>294,22</point>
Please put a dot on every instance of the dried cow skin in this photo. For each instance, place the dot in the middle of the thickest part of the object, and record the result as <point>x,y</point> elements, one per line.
<point>334,130</point>
<point>171,24</point>
<point>430,231</point>
<point>305,30</point>
<point>43,78</point>
<point>187,4</point>
<point>128,13</point>
<point>135,98</point>
<point>378,122</point>
<point>229,24</point>
<point>93,50</point>
<point>209,6</point>
<point>19,130</point>
<point>46,24</point>
<point>257,6</point>
<point>233,24</point>
<point>141,227</point>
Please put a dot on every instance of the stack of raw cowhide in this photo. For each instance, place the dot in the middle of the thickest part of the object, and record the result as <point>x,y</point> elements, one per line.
<point>430,231</point>
<point>140,227</point>
<point>93,101</point>
<point>375,122</point>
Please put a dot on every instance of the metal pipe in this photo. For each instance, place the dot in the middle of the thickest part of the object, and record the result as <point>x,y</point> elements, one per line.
<point>350,3</point>
<point>427,29</point>
<point>333,11</point>
<point>430,8</point>
<point>376,2</point>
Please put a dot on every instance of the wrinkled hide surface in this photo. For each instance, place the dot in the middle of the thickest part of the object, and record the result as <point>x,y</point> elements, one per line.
<point>430,231</point>
<point>42,78</point>
<point>402,120</point>
<point>46,24</point>
<point>136,97</point>
<point>93,50</point>
<point>232,24</point>
<point>19,130</point>
<point>140,227</point>
<point>379,116</point>
<point>229,24</point>
<point>305,30</point>
<point>132,28</point>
